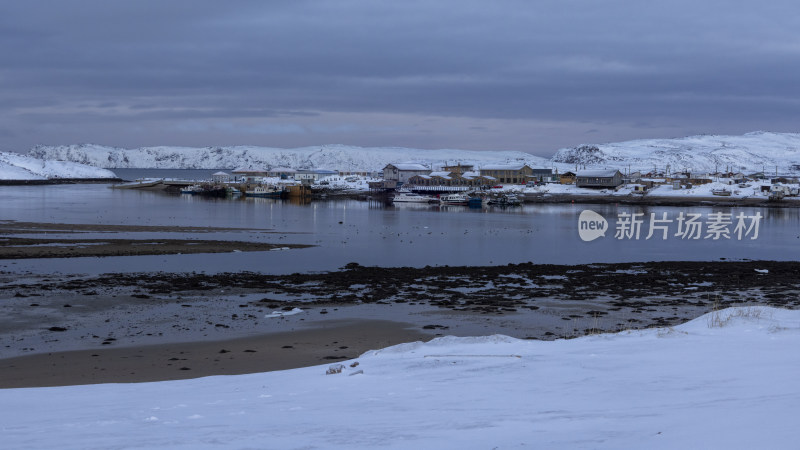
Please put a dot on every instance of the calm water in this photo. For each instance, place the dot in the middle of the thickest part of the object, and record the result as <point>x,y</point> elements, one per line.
<point>372,233</point>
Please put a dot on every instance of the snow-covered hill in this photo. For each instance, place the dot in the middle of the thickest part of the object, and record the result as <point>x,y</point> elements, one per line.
<point>752,152</point>
<point>14,166</point>
<point>338,157</point>
<point>725,380</point>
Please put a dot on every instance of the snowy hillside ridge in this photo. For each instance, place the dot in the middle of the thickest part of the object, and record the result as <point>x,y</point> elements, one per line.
<point>14,166</point>
<point>336,157</point>
<point>751,152</point>
<point>731,384</point>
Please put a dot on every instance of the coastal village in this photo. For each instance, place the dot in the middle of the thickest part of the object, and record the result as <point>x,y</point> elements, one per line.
<point>491,184</point>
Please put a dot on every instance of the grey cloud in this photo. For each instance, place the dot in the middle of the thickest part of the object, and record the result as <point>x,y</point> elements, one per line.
<point>577,60</point>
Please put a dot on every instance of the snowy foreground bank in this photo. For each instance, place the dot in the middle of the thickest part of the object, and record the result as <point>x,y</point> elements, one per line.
<point>20,167</point>
<point>726,380</point>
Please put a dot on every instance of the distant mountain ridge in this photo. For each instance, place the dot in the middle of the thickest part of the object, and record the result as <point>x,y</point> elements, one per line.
<point>753,152</point>
<point>340,157</point>
<point>703,153</point>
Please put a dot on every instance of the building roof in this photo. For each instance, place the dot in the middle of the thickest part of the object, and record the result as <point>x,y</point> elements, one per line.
<point>409,166</point>
<point>503,167</point>
<point>597,173</point>
<point>220,173</point>
<point>463,166</point>
<point>282,169</point>
<point>440,174</point>
<point>250,170</point>
<point>318,171</point>
<point>445,175</point>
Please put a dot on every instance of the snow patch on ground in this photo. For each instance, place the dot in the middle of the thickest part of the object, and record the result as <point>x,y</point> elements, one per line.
<point>725,380</point>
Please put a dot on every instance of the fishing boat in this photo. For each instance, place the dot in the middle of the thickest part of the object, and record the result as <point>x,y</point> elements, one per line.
<point>454,199</point>
<point>264,191</point>
<point>506,200</point>
<point>511,200</point>
<point>722,192</point>
<point>475,202</point>
<point>190,190</point>
<point>410,197</point>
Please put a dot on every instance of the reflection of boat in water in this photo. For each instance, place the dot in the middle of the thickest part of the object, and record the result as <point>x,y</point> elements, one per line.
<point>408,206</point>
<point>454,199</point>
<point>410,197</point>
<point>264,191</point>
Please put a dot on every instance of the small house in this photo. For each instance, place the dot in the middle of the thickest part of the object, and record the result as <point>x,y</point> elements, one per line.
<point>284,173</point>
<point>249,175</point>
<point>567,178</point>
<point>401,172</point>
<point>458,168</point>
<point>220,177</point>
<point>310,176</point>
<point>598,178</point>
<point>508,173</point>
<point>541,175</point>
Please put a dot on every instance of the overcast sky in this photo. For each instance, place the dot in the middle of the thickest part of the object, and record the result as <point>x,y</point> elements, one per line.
<point>533,76</point>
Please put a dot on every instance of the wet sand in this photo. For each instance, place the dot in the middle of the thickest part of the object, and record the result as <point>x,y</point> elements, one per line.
<point>138,324</point>
<point>129,327</point>
<point>22,248</point>
<point>17,227</point>
<point>48,247</point>
<point>336,341</point>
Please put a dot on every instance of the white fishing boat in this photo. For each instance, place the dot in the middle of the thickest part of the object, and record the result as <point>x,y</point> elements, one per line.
<point>264,191</point>
<point>506,200</point>
<point>410,197</point>
<point>191,190</point>
<point>454,199</point>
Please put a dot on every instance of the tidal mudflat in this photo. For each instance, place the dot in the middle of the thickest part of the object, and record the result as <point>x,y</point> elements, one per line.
<point>163,318</point>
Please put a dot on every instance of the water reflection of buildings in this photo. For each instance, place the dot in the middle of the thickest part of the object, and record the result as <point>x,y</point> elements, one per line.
<point>272,201</point>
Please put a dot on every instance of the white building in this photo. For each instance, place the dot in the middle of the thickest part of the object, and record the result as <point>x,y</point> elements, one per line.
<point>220,177</point>
<point>403,171</point>
<point>313,175</point>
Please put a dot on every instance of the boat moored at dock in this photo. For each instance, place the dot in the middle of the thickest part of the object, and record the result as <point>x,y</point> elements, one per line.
<point>454,200</point>
<point>410,197</point>
<point>264,192</point>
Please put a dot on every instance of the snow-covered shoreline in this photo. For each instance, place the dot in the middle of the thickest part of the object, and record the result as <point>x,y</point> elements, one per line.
<point>724,380</point>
